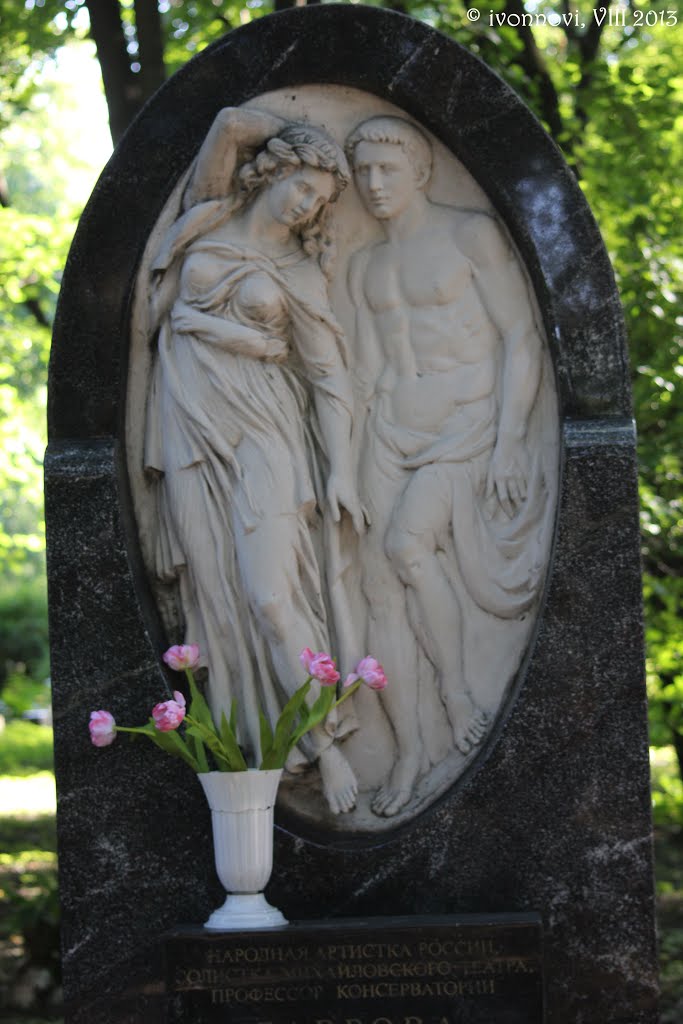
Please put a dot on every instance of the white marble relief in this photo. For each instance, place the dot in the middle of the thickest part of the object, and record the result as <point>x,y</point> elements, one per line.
<point>349,439</point>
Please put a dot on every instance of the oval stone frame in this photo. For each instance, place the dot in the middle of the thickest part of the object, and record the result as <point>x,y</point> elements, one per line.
<point>510,837</point>
<point>494,645</point>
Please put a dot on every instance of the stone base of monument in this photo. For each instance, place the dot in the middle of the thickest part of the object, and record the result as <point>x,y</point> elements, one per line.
<point>467,969</point>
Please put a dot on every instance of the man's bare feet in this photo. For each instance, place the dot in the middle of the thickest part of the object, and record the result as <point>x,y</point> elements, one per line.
<point>398,789</point>
<point>339,783</point>
<point>469,724</point>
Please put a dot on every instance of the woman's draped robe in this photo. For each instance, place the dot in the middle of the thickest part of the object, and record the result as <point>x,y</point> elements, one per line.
<point>207,405</point>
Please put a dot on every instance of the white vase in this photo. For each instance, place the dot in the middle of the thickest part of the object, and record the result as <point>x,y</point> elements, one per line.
<point>242,806</point>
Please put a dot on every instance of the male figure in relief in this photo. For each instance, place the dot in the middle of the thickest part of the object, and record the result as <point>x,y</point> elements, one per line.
<point>449,366</point>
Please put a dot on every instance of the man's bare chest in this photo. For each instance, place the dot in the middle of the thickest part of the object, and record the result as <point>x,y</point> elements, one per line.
<point>415,275</point>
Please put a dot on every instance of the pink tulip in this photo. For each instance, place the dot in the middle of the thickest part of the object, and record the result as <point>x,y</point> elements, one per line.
<point>370,672</point>
<point>182,656</point>
<point>170,713</point>
<point>320,666</point>
<point>102,728</point>
<point>306,657</point>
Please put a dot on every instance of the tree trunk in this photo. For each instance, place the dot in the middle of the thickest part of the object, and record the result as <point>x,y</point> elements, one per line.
<point>121,89</point>
<point>150,46</point>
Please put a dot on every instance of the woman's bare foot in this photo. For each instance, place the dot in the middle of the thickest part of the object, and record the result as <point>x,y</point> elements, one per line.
<point>398,789</point>
<point>339,783</point>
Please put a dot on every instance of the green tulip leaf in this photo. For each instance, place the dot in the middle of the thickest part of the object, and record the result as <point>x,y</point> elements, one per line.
<point>199,710</point>
<point>266,734</point>
<point>283,730</point>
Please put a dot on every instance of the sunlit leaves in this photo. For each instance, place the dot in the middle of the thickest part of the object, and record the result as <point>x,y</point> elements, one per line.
<point>43,190</point>
<point>631,158</point>
<point>31,32</point>
<point>22,441</point>
<point>189,27</point>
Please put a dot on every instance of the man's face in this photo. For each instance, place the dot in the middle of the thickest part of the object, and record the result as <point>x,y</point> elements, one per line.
<point>385,178</point>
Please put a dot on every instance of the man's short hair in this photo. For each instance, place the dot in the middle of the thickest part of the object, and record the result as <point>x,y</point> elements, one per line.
<point>396,132</point>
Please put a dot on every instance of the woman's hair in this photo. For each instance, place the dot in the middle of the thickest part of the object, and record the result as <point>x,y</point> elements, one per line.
<point>300,144</point>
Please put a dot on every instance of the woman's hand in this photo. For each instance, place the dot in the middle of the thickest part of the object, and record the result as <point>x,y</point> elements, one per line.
<point>185,319</point>
<point>234,130</point>
<point>249,127</point>
<point>227,334</point>
<point>274,350</point>
<point>341,493</point>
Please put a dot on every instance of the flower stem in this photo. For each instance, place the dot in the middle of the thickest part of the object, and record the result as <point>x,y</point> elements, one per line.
<point>347,693</point>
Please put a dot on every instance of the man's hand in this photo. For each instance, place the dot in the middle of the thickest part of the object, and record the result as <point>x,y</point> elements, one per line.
<point>508,474</point>
<point>342,494</point>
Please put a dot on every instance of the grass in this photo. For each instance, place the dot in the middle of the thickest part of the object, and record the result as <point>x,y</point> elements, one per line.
<point>25,748</point>
<point>29,912</point>
<point>27,796</point>
<point>29,908</point>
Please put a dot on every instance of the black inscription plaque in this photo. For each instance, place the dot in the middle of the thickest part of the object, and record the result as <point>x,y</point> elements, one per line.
<point>468,969</point>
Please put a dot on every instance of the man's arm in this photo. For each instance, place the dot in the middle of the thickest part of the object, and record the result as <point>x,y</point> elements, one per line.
<point>367,364</point>
<point>367,352</point>
<point>505,295</point>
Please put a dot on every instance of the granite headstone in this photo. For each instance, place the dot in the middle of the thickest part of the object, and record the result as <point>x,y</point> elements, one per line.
<point>548,828</point>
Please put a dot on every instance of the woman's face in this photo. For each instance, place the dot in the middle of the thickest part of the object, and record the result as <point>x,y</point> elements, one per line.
<point>295,198</point>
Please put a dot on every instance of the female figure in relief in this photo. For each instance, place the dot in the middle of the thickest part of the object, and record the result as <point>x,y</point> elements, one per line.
<point>250,408</point>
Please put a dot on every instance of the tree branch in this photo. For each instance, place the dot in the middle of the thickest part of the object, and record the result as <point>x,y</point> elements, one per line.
<point>36,310</point>
<point>568,25</point>
<point>532,62</point>
<point>589,41</point>
<point>588,44</point>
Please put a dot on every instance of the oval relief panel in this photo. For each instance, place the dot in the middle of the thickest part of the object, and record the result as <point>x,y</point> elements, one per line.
<point>342,434</point>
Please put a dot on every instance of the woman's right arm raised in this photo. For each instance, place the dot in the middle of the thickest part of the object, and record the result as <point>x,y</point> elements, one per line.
<point>233,129</point>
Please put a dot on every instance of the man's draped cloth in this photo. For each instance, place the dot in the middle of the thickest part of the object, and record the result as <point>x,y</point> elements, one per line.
<point>499,559</point>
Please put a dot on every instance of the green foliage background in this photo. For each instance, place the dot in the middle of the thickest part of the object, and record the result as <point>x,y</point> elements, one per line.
<point>612,97</point>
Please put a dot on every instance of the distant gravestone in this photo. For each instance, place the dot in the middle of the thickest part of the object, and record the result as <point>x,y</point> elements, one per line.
<point>339,362</point>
